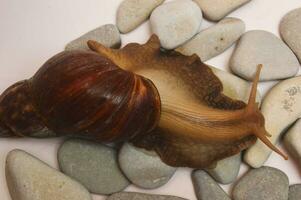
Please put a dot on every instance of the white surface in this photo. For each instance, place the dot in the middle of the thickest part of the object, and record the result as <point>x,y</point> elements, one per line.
<point>32,31</point>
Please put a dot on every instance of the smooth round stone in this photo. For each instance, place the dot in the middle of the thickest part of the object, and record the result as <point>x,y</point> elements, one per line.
<point>292,141</point>
<point>215,10</point>
<point>234,86</point>
<point>206,188</point>
<point>262,47</point>
<point>141,196</point>
<point>144,168</point>
<point>281,107</point>
<point>214,40</point>
<point>92,164</point>
<point>132,13</point>
<point>264,183</point>
<point>290,31</point>
<point>176,22</point>
<point>226,170</point>
<point>294,192</point>
<point>108,35</point>
<point>28,178</point>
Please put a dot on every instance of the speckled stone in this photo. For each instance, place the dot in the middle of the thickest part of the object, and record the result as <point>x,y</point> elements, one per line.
<point>132,13</point>
<point>292,141</point>
<point>28,178</point>
<point>226,170</point>
<point>215,10</point>
<point>214,40</point>
<point>290,31</point>
<point>141,196</point>
<point>206,188</point>
<point>92,164</point>
<point>144,168</point>
<point>176,22</point>
<point>108,35</point>
<point>294,192</point>
<point>264,183</point>
<point>262,47</point>
<point>281,107</point>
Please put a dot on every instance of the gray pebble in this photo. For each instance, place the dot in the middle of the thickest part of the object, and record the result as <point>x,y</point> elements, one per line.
<point>92,164</point>
<point>132,13</point>
<point>176,22</point>
<point>262,47</point>
<point>144,168</point>
<point>263,183</point>
<point>290,31</point>
<point>28,178</point>
<point>206,188</point>
<point>214,40</point>
<point>141,196</point>
<point>294,192</point>
<point>292,141</point>
<point>226,170</point>
<point>217,9</point>
<point>108,35</point>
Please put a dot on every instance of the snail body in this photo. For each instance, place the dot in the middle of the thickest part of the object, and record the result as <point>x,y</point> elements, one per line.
<point>162,101</point>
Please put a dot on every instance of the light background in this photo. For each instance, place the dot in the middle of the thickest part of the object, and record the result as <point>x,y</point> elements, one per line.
<point>32,31</point>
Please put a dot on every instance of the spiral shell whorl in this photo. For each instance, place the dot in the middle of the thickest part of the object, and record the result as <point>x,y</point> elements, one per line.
<point>86,94</point>
<point>18,116</point>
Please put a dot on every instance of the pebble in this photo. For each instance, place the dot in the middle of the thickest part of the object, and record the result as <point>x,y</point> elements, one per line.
<point>92,164</point>
<point>265,183</point>
<point>215,10</point>
<point>292,141</point>
<point>141,196</point>
<point>262,47</point>
<point>214,40</point>
<point>108,35</point>
<point>28,178</point>
<point>294,192</point>
<point>290,31</point>
<point>281,107</point>
<point>234,86</point>
<point>176,22</point>
<point>206,188</point>
<point>132,13</point>
<point>226,170</point>
<point>144,168</point>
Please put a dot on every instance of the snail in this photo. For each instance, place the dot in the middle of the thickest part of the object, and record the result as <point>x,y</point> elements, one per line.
<point>156,99</point>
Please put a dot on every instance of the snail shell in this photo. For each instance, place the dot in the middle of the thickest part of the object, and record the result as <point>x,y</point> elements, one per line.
<point>82,93</point>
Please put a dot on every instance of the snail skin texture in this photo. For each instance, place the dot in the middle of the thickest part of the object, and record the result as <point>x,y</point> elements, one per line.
<point>158,100</point>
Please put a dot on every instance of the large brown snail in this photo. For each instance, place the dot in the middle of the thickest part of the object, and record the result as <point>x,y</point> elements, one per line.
<point>158,100</point>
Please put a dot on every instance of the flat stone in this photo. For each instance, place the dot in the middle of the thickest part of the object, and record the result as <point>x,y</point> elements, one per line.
<point>176,22</point>
<point>226,170</point>
<point>290,31</point>
<point>206,188</point>
<point>141,196</point>
<point>144,168</point>
<point>28,178</point>
<point>294,192</point>
<point>262,47</point>
<point>132,13</point>
<point>292,141</point>
<point>264,183</point>
<point>215,10</point>
<point>234,86</point>
<point>214,40</point>
<point>92,164</point>
<point>108,35</point>
<point>281,107</point>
